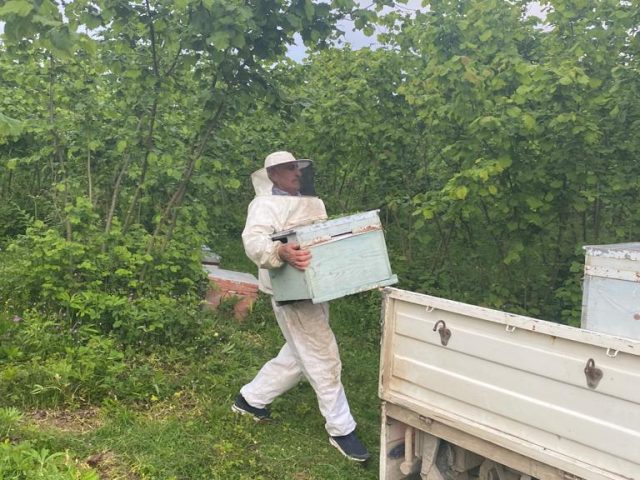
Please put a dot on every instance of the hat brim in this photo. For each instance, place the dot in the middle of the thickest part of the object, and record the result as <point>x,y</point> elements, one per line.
<point>304,163</point>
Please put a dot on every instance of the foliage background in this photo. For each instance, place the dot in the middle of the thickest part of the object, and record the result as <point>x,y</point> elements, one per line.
<point>495,145</point>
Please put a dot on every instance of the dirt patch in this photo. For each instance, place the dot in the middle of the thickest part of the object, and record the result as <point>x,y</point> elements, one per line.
<point>77,421</point>
<point>301,476</point>
<point>109,467</point>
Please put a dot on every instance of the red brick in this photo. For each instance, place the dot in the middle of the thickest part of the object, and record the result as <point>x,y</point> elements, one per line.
<point>226,284</point>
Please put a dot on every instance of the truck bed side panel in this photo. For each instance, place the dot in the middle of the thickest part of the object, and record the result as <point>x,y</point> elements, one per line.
<point>517,382</point>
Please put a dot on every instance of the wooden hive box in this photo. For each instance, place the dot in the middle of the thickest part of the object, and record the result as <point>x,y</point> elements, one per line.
<point>611,289</point>
<point>225,284</point>
<point>348,255</point>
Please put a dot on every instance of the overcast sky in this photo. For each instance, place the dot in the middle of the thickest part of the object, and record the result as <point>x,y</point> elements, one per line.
<point>357,39</point>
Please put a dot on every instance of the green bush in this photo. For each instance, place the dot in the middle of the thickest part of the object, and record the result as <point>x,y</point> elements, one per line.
<point>114,282</point>
<point>23,461</point>
<point>13,221</point>
<point>47,364</point>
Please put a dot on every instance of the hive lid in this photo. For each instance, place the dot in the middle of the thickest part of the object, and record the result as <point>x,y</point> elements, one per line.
<point>230,275</point>
<point>355,223</point>
<point>622,251</point>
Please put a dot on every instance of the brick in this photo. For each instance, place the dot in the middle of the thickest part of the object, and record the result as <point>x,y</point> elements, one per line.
<point>227,284</point>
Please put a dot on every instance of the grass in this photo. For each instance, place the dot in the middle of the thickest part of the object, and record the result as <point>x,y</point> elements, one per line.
<point>187,431</point>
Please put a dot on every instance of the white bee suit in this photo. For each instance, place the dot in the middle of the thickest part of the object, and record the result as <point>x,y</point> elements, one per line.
<point>310,350</point>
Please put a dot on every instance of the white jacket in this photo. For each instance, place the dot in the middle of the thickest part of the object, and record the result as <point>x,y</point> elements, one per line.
<point>268,214</point>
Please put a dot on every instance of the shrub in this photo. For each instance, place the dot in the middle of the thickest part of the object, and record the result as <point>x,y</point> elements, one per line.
<point>23,461</point>
<point>114,282</point>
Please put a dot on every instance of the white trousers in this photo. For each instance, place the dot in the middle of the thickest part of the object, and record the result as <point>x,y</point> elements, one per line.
<point>310,351</point>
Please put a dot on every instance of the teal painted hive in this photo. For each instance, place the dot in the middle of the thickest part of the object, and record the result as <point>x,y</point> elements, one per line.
<point>348,255</point>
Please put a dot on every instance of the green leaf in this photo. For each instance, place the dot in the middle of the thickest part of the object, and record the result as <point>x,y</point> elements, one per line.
<point>62,42</point>
<point>534,203</point>
<point>514,111</point>
<point>309,10</point>
<point>504,162</point>
<point>9,126</point>
<point>487,120</point>
<point>486,35</point>
<point>461,192</point>
<point>471,77</point>
<point>233,183</point>
<point>529,121</point>
<point>21,8</point>
<point>239,41</point>
<point>513,255</point>
<point>220,39</point>
<point>294,21</point>
<point>46,21</point>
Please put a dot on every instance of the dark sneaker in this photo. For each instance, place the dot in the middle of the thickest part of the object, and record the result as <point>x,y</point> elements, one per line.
<point>243,408</point>
<point>350,447</point>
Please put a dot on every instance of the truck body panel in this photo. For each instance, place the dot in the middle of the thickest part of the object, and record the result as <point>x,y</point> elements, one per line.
<point>564,399</point>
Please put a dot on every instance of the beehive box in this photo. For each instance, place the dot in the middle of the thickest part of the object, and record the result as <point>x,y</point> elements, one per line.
<point>611,289</point>
<point>348,255</point>
<point>227,284</point>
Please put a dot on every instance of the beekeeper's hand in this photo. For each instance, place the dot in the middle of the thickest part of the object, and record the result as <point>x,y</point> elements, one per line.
<point>294,255</point>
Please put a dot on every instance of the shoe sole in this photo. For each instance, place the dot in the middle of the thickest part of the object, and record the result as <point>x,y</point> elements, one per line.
<point>237,409</point>
<point>349,457</point>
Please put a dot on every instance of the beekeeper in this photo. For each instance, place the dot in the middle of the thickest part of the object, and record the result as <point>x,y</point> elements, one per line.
<point>284,200</point>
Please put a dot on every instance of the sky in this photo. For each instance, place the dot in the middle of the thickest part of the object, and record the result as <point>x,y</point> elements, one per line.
<point>357,39</point>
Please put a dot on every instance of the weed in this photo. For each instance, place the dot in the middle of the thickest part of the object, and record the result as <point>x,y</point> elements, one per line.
<point>23,460</point>
<point>9,419</point>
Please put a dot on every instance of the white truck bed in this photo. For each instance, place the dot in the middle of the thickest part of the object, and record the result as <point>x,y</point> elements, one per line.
<point>511,388</point>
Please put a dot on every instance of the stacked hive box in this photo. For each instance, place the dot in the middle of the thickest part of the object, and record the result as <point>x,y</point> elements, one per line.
<point>348,255</point>
<point>611,293</point>
<point>228,285</point>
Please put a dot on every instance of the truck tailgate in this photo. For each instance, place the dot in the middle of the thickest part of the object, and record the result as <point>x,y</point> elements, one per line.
<point>528,385</point>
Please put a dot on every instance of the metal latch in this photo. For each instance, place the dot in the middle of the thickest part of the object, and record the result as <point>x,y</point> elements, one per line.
<point>593,374</point>
<point>445,333</point>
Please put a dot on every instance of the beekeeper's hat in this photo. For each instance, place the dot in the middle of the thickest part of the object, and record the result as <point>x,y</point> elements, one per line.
<point>278,158</point>
<point>262,183</point>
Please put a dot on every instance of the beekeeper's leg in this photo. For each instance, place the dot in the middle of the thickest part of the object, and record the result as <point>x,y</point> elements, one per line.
<point>276,377</point>
<point>311,340</point>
